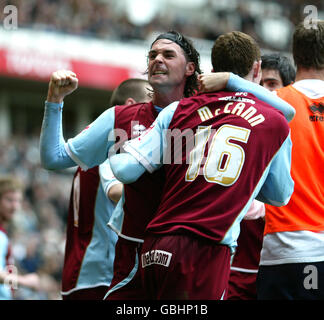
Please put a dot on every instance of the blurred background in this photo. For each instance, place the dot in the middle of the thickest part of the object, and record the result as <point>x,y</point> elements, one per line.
<point>104,42</point>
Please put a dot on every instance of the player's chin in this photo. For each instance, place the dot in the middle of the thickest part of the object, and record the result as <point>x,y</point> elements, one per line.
<point>158,77</point>
<point>159,82</point>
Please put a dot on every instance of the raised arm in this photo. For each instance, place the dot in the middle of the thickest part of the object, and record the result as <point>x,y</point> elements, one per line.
<point>88,148</point>
<point>52,152</point>
<point>62,83</point>
<point>229,81</point>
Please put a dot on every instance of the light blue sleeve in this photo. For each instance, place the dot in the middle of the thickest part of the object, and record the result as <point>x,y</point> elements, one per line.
<point>144,152</point>
<point>52,152</point>
<point>126,168</point>
<point>3,250</point>
<point>238,84</point>
<point>88,149</point>
<point>107,177</point>
<point>278,186</point>
<point>92,145</point>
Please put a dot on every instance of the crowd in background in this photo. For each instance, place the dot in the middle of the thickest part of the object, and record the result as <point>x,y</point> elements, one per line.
<point>37,231</point>
<point>109,19</point>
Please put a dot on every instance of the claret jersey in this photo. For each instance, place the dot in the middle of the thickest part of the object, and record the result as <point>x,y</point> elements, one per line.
<point>107,134</point>
<point>90,244</point>
<point>141,198</point>
<point>220,151</point>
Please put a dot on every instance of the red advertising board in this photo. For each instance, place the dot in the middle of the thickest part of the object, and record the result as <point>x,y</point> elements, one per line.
<point>33,65</point>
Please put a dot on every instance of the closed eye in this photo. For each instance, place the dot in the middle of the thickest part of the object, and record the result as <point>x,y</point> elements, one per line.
<point>167,54</point>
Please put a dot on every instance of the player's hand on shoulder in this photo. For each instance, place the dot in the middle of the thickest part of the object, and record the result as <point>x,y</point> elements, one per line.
<point>215,81</point>
<point>62,83</point>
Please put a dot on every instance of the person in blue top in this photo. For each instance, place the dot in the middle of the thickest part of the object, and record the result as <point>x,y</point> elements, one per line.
<point>92,146</point>
<point>90,244</point>
<point>11,195</point>
<point>236,149</point>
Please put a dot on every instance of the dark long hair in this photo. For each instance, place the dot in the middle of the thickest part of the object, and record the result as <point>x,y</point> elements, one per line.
<point>191,54</point>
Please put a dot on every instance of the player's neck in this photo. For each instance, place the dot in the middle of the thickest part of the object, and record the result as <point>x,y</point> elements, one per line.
<point>303,74</point>
<point>163,98</point>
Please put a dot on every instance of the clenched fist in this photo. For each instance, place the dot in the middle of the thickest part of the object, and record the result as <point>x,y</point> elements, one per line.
<point>62,83</point>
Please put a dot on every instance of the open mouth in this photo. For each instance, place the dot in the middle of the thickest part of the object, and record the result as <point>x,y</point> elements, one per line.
<point>158,72</point>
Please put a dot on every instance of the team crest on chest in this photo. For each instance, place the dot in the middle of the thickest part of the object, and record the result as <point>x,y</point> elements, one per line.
<point>137,129</point>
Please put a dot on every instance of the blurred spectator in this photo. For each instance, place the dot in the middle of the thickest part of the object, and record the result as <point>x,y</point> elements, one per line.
<point>110,19</point>
<point>37,230</point>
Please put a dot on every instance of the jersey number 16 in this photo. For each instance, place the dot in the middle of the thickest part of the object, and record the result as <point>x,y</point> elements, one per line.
<point>224,160</point>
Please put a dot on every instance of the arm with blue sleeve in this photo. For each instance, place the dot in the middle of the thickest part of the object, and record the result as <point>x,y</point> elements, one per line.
<point>111,186</point>
<point>238,84</point>
<point>3,250</point>
<point>3,253</point>
<point>144,153</point>
<point>52,152</point>
<point>278,185</point>
<point>88,149</point>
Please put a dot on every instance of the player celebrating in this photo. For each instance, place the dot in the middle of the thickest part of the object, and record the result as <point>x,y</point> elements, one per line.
<point>172,68</point>
<point>173,64</point>
<point>203,201</point>
<point>90,245</point>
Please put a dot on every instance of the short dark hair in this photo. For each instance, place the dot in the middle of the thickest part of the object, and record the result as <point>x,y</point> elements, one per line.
<point>235,52</point>
<point>277,61</point>
<point>130,88</point>
<point>191,54</point>
<point>308,45</point>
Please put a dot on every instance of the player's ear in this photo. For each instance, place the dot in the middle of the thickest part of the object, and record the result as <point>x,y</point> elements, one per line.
<point>190,68</point>
<point>129,101</point>
<point>257,71</point>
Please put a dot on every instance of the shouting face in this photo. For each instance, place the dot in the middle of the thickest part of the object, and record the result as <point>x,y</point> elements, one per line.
<point>167,65</point>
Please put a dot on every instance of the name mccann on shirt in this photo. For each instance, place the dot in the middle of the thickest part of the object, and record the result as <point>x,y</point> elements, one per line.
<point>238,108</point>
<point>172,139</point>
